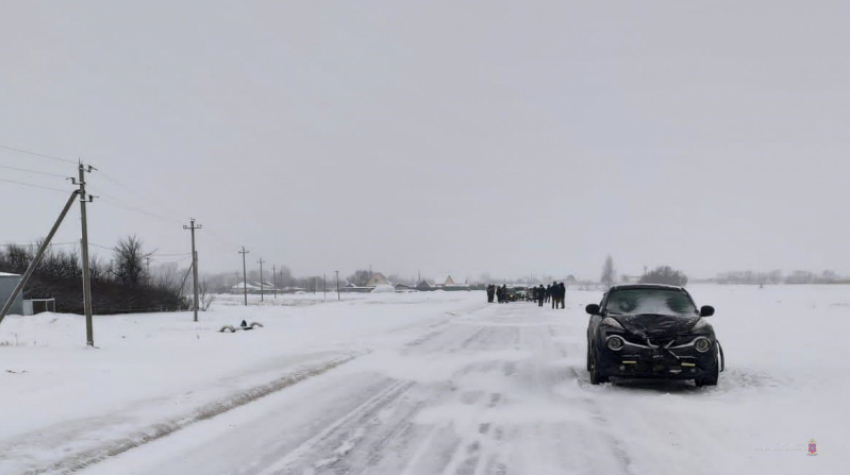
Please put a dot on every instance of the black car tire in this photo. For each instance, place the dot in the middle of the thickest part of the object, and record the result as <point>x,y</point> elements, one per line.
<point>596,377</point>
<point>711,379</point>
<point>587,358</point>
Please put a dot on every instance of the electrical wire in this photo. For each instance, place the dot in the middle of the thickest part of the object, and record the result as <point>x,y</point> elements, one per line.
<point>36,154</point>
<point>129,189</point>
<point>21,244</point>
<point>115,203</point>
<point>28,170</point>
<point>101,246</point>
<point>32,185</point>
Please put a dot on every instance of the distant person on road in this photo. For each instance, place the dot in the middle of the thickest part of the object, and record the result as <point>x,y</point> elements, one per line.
<point>504,294</point>
<point>562,294</point>
<point>540,293</point>
<point>491,291</point>
<point>548,293</point>
<point>554,292</point>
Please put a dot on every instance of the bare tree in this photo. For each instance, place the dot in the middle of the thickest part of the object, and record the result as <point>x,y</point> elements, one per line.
<point>608,272</point>
<point>665,275</point>
<point>360,277</point>
<point>128,267</point>
<point>206,298</point>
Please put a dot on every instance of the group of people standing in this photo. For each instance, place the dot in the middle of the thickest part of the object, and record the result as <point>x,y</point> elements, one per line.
<point>494,292</point>
<point>556,293</point>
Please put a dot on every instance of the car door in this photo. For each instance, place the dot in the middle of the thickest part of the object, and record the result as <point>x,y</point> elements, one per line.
<point>593,323</point>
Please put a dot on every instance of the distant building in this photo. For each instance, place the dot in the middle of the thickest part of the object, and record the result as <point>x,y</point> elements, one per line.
<point>424,286</point>
<point>376,280</point>
<point>8,282</point>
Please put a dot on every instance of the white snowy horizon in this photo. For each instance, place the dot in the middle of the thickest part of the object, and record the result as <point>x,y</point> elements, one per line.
<point>476,137</point>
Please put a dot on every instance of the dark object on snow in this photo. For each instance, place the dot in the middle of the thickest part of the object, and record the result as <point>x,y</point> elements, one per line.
<point>652,331</point>
<point>244,326</point>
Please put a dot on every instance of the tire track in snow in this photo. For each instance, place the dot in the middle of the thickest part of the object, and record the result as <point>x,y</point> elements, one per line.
<point>157,431</point>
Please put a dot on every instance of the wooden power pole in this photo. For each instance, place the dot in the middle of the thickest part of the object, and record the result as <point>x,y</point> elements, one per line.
<point>244,275</point>
<point>192,227</point>
<point>262,284</point>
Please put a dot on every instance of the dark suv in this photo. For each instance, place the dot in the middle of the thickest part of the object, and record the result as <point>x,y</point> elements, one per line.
<point>651,331</point>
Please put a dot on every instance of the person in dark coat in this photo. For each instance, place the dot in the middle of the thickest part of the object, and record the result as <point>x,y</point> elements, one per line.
<point>491,292</point>
<point>554,292</point>
<point>548,293</point>
<point>540,292</point>
<point>562,294</point>
<point>504,294</point>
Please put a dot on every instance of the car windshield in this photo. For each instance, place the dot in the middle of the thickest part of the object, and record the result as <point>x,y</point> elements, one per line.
<point>668,302</point>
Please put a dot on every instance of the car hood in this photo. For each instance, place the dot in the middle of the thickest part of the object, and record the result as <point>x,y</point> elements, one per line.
<point>656,326</point>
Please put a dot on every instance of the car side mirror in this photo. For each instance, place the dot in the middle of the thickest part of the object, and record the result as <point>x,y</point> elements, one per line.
<point>706,311</point>
<point>592,309</point>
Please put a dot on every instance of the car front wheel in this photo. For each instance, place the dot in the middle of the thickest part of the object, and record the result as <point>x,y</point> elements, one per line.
<point>596,377</point>
<point>711,378</point>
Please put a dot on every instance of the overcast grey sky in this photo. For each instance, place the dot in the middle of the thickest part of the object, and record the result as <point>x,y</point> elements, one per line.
<point>463,137</point>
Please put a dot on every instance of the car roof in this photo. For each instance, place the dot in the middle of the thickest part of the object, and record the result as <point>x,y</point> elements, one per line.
<point>646,286</point>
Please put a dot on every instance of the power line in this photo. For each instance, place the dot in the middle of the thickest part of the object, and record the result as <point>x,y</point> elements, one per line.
<point>138,195</point>
<point>28,170</point>
<point>25,244</point>
<point>32,185</point>
<point>137,210</point>
<point>101,246</point>
<point>36,154</point>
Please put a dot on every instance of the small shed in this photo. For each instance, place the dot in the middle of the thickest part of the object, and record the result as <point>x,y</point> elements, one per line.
<point>8,282</point>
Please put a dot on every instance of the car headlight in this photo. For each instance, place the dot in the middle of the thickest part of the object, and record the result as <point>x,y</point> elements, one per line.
<point>608,321</point>
<point>702,344</point>
<point>615,343</point>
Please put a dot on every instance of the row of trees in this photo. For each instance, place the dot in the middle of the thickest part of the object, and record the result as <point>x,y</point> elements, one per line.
<point>777,277</point>
<point>660,275</point>
<point>121,285</point>
<point>669,276</point>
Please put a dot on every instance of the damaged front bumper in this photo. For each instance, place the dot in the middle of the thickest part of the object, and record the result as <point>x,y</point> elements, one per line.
<point>673,359</point>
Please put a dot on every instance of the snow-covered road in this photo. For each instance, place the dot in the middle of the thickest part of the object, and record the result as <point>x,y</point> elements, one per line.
<point>501,389</point>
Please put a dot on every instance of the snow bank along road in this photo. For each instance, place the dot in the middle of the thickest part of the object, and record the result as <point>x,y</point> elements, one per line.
<point>501,389</point>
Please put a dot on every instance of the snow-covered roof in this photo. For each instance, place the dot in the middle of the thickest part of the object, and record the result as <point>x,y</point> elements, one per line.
<point>449,279</point>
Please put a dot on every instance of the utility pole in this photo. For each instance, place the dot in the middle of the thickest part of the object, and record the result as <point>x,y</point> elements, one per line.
<point>192,227</point>
<point>261,279</point>
<point>148,261</point>
<point>84,252</point>
<point>244,274</point>
<point>39,254</point>
<point>274,281</point>
<point>337,286</point>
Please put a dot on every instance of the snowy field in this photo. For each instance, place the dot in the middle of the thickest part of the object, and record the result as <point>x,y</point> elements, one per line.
<point>430,383</point>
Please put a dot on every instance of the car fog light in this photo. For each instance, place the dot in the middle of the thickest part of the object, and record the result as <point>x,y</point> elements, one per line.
<point>615,343</point>
<point>702,344</point>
